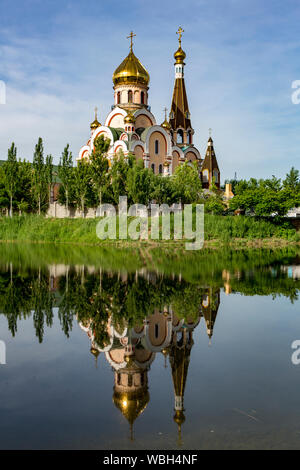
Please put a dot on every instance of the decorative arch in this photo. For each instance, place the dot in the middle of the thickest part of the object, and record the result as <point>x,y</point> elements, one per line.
<point>102,130</point>
<point>84,152</point>
<point>162,131</point>
<point>115,112</point>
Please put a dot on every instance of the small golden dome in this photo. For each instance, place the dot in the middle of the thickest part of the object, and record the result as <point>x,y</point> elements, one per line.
<point>129,119</point>
<point>131,71</point>
<point>95,123</point>
<point>166,125</point>
<point>179,56</point>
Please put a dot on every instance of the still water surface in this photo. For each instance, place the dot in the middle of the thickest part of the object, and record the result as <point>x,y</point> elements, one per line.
<point>125,350</point>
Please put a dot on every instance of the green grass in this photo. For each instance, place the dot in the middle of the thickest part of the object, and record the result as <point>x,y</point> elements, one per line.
<point>225,229</point>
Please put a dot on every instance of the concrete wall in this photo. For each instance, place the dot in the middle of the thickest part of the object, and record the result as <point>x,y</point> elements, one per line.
<point>60,212</point>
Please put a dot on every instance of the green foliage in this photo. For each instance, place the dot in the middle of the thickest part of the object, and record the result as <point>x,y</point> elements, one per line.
<point>10,175</point>
<point>139,183</point>
<point>65,173</point>
<point>187,184</point>
<point>99,166</point>
<point>266,197</point>
<point>82,183</point>
<point>39,186</point>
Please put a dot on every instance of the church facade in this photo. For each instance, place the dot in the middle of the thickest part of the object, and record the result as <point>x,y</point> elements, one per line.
<point>132,128</point>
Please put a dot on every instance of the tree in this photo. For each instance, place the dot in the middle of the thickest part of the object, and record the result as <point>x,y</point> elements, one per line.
<point>82,178</point>
<point>65,172</point>
<point>39,176</point>
<point>10,172</point>
<point>163,190</point>
<point>118,175</point>
<point>99,165</point>
<point>49,174</point>
<point>187,183</point>
<point>292,180</point>
<point>139,183</point>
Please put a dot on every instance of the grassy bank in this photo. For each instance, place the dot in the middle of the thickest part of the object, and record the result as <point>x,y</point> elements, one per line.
<point>217,228</point>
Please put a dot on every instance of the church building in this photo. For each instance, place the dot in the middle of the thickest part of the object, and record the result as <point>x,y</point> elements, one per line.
<point>132,128</point>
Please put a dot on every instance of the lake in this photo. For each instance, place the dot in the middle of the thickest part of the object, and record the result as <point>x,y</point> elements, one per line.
<point>143,348</point>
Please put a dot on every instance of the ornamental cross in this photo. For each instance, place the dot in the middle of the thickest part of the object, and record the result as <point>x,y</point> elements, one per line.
<point>209,130</point>
<point>165,111</point>
<point>179,32</point>
<point>131,36</point>
<point>96,112</point>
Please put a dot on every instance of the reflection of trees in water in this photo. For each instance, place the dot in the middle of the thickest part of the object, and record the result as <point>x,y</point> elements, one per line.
<point>95,296</point>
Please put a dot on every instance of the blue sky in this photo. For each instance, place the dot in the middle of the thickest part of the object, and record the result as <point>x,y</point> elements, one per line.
<point>57,60</point>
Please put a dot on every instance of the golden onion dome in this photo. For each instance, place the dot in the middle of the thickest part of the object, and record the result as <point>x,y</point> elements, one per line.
<point>179,56</point>
<point>131,71</point>
<point>129,119</point>
<point>166,125</point>
<point>131,405</point>
<point>95,123</point>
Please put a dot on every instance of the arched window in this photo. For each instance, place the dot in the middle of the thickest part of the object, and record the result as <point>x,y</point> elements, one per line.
<point>129,380</point>
<point>142,97</point>
<point>160,169</point>
<point>156,330</point>
<point>205,176</point>
<point>179,136</point>
<point>156,147</point>
<point>119,379</point>
<point>153,167</point>
<point>216,176</point>
<point>190,137</point>
<point>118,97</point>
<point>130,96</point>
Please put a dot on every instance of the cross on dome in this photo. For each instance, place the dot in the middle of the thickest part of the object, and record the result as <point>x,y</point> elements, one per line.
<point>131,36</point>
<point>179,32</point>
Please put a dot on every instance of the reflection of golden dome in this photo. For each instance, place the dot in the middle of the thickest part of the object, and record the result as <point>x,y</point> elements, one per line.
<point>179,56</point>
<point>179,417</point>
<point>131,71</point>
<point>131,404</point>
<point>129,119</point>
<point>95,352</point>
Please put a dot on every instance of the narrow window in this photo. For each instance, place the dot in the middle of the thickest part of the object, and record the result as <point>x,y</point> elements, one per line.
<point>156,147</point>
<point>118,97</point>
<point>156,330</point>
<point>129,96</point>
<point>142,97</point>
<point>129,380</point>
<point>153,167</point>
<point>160,169</point>
<point>179,136</point>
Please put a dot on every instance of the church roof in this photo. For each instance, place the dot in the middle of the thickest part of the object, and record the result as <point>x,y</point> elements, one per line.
<point>131,71</point>
<point>210,161</point>
<point>180,115</point>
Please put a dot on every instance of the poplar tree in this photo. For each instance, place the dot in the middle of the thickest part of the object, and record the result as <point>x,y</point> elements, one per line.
<point>65,172</point>
<point>99,165</point>
<point>82,177</point>
<point>11,175</point>
<point>49,174</point>
<point>39,176</point>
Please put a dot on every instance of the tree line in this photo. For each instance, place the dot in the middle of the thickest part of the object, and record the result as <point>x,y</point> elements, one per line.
<point>26,187</point>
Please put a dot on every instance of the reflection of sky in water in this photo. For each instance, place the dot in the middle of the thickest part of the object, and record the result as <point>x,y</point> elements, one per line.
<point>240,391</point>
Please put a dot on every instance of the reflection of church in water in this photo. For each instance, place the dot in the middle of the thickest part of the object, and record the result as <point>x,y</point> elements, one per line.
<point>131,352</point>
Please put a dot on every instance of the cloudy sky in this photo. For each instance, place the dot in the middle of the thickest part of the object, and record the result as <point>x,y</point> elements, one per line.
<point>57,60</point>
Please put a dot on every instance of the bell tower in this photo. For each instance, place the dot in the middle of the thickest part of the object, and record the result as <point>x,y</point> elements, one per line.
<point>180,118</point>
